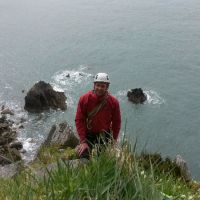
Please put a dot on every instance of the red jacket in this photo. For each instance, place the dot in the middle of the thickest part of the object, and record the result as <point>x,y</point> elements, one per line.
<point>109,114</point>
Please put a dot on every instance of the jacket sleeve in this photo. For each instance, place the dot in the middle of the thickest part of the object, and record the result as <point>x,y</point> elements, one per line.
<point>80,120</point>
<point>116,120</point>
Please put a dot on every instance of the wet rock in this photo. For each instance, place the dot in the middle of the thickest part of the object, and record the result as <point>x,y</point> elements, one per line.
<point>9,155</point>
<point>136,96</point>
<point>7,140</point>
<point>15,154</point>
<point>2,118</point>
<point>22,120</point>
<point>2,107</point>
<point>42,97</point>
<point>22,150</point>
<point>21,126</point>
<point>62,135</point>
<point>16,144</point>
<point>178,167</point>
<point>31,140</point>
<point>68,75</point>
<point>4,160</point>
<point>9,171</point>
<point>7,134</point>
<point>4,126</point>
<point>7,111</point>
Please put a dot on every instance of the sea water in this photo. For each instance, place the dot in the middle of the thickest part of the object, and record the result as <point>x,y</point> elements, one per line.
<point>152,44</point>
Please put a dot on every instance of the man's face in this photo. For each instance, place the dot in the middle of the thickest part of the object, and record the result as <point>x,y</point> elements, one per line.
<point>100,88</point>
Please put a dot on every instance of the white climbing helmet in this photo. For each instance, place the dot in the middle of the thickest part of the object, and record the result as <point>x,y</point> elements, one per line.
<point>101,77</point>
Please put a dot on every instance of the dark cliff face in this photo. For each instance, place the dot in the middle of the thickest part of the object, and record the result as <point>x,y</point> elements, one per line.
<point>42,97</point>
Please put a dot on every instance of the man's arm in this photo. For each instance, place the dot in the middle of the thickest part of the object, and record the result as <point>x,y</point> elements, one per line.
<point>116,120</point>
<point>80,121</point>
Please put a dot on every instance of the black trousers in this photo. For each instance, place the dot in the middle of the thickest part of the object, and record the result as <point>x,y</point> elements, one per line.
<point>93,140</point>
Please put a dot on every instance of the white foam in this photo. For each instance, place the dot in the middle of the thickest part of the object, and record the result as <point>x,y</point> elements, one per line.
<point>121,95</point>
<point>152,97</point>
<point>8,86</point>
<point>69,80</point>
<point>30,145</point>
<point>16,108</point>
<point>56,88</point>
<point>84,67</point>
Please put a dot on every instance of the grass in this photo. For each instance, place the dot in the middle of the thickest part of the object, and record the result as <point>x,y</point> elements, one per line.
<point>114,175</point>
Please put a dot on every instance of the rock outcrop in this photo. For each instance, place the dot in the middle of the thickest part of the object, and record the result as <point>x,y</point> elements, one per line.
<point>9,171</point>
<point>59,144</point>
<point>9,146</point>
<point>136,95</point>
<point>6,111</point>
<point>42,97</point>
<point>177,167</point>
<point>62,135</point>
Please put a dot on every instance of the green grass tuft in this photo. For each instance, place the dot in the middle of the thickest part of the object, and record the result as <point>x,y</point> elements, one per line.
<point>114,175</point>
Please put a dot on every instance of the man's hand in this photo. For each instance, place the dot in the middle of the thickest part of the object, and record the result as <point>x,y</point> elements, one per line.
<point>81,148</point>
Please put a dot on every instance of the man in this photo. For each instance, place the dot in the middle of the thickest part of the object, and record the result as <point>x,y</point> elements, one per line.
<point>98,117</point>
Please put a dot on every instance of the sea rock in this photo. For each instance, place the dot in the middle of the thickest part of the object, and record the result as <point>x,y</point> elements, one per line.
<point>177,167</point>
<point>22,151</point>
<point>8,147</point>
<point>7,134</point>
<point>7,111</point>
<point>3,119</point>
<point>22,120</point>
<point>136,95</point>
<point>62,135</point>
<point>42,97</point>
<point>4,126</point>
<point>8,155</point>
<point>5,141</point>
<point>16,144</point>
<point>68,76</point>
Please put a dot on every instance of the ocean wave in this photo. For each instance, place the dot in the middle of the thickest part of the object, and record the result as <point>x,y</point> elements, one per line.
<point>31,146</point>
<point>153,97</point>
<point>17,108</point>
<point>69,81</point>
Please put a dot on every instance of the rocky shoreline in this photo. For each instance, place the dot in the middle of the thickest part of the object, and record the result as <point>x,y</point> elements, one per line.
<point>42,97</point>
<point>39,98</point>
<point>10,147</point>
